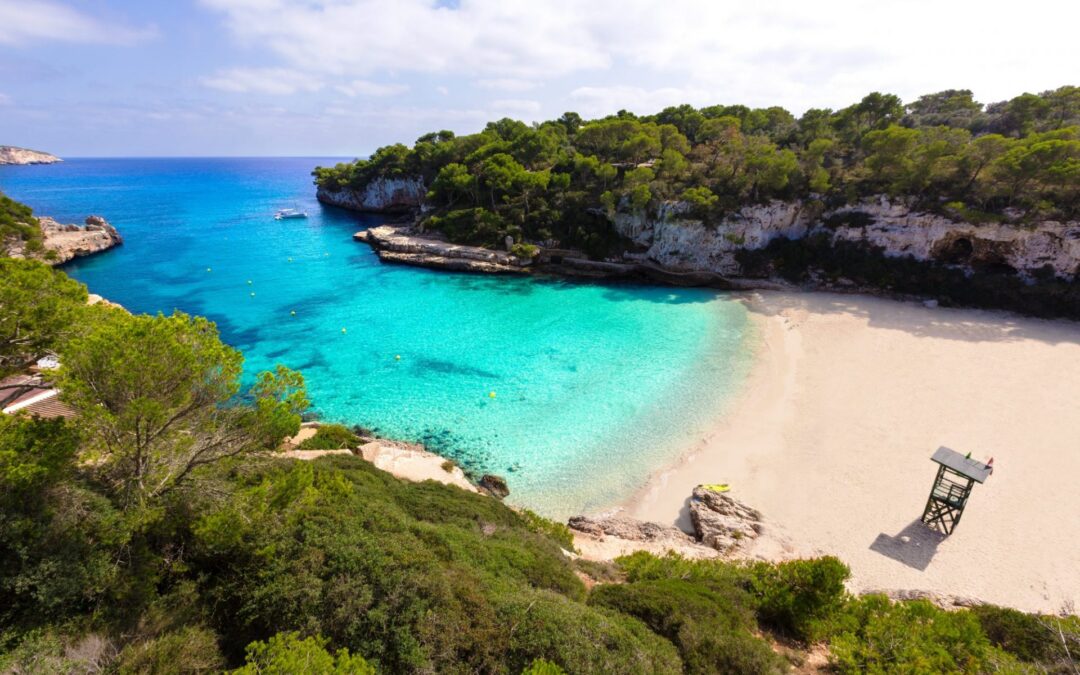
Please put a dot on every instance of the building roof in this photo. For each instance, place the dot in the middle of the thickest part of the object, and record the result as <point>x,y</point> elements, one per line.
<point>38,398</point>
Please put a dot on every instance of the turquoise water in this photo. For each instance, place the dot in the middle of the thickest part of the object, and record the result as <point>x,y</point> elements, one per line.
<point>596,386</point>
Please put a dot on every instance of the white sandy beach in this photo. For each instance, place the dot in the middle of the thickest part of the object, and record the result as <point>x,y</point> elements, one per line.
<point>832,441</point>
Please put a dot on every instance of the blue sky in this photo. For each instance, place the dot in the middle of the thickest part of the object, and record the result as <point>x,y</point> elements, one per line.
<point>341,77</point>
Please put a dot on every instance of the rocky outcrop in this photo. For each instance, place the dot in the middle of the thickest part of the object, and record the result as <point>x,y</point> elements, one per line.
<point>65,242</point>
<point>9,154</point>
<point>494,485</point>
<point>402,244</point>
<point>721,521</point>
<point>382,195</point>
<point>722,525</point>
<point>673,240</point>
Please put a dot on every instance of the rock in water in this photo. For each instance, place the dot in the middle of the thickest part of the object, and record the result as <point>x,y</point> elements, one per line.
<point>721,521</point>
<point>494,485</point>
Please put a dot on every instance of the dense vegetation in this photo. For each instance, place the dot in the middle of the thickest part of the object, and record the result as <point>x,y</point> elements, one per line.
<point>18,226</point>
<point>562,180</point>
<point>159,532</point>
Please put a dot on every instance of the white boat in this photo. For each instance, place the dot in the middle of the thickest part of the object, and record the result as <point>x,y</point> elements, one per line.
<point>285,214</point>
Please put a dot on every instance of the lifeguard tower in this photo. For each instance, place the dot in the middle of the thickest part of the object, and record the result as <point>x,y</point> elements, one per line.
<point>956,477</point>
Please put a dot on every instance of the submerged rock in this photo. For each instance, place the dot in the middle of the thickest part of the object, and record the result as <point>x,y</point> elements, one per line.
<point>494,485</point>
<point>721,521</point>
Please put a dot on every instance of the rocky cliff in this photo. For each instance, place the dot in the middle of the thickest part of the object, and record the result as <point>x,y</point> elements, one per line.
<point>383,195</point>
<point>670,238</point>
<point>63,242</point>
<point>9,154</point>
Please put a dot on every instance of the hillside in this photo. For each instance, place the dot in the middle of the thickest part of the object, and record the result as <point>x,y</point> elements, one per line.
<point>9,154</point>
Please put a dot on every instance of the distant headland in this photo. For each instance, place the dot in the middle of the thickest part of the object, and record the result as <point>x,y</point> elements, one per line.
<point>9,154</point>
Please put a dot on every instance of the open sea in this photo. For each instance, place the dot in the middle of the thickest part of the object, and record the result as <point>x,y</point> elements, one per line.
<point>595,386</point>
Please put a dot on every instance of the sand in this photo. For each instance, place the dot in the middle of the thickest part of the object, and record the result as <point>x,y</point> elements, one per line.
<point>832,439</point>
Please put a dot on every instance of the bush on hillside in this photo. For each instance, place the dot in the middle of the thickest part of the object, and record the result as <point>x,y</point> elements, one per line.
<point>908,637</point>
<point>330,437</point>
<point>801,597</point>
<point>712,631</point>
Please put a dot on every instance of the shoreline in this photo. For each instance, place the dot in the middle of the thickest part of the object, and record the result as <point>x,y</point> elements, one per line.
<point>831,438</point>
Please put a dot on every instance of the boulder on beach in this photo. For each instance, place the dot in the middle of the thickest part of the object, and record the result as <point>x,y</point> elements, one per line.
<point>721,521</point>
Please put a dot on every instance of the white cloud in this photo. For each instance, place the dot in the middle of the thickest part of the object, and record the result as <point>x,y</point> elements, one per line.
<point>26,22</point>
<point>787,52</point>
<point>281,81</point>
<point>507,84</point>
<point>366,88</point>
<point>517,106</point>
<point>599,101</point>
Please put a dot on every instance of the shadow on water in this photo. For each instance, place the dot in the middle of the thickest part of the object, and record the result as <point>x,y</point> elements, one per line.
<point>426,365</point>
<point>914,546</point>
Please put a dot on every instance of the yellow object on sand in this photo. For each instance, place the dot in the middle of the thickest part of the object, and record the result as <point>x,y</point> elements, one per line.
<point>717,487</point>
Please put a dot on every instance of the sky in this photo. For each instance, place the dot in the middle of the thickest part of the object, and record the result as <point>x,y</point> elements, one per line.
<point>343,77</point>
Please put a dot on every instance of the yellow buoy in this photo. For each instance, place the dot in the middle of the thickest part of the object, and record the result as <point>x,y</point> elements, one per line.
<point>253,294</point>
<point>491,394</point>
<point>249,282</point>
<point>292,313</point>
<point>207,269</point>
<point>397,357</point>
<point>343,330</point>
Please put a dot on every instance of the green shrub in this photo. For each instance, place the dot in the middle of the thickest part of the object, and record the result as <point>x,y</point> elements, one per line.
<point>580,638</point>
<point>189,650</point>
<point>1029,637</point>
<point>524,251</point>
<point>287,654</point>
<point>801,597</point>
<point>641,566</point>
<point>331,437</point>
<point>543,667</point>
<point>711,630</point>
<point>541,525</point>
<point>909,637</point>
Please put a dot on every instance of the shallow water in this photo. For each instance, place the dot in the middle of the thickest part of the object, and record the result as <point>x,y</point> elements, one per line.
<point>595,386</point>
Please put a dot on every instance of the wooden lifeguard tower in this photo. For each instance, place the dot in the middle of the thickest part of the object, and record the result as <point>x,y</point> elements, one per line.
<point>956,477</point>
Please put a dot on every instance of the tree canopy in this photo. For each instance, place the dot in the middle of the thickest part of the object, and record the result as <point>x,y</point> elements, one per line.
<point>563,180</point>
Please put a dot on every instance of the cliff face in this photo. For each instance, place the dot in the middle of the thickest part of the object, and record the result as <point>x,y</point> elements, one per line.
<point>383,195</point>
<point>72,241</point>
<point>677,242</point>
<point>9,154</point>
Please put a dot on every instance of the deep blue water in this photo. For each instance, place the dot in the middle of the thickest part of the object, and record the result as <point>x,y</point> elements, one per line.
<point>596,386</point>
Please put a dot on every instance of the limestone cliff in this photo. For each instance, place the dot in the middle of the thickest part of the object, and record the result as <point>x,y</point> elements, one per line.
<point>382,195</point>
<point>670,238</point>
<point>9,154</point>
<point>62,242</point>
